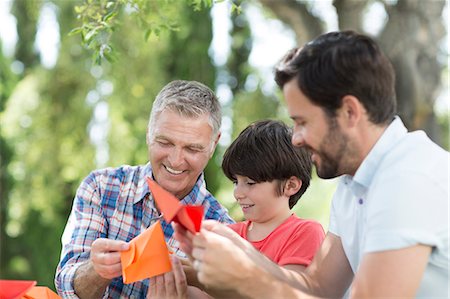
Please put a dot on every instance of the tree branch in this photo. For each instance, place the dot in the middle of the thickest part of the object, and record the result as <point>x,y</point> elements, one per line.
<point>297,16</point>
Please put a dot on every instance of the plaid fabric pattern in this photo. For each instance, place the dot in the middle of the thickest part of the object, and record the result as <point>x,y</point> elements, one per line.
<point>115,203</point>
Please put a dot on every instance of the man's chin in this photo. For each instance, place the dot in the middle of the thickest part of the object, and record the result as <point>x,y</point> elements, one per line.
<point>325,175</point>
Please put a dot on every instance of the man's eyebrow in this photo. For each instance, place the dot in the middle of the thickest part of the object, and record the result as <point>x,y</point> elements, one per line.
<point>192,145</point>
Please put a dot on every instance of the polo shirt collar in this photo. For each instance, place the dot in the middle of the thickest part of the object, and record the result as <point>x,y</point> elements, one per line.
<point>142,183</point>
<point>366,171</point>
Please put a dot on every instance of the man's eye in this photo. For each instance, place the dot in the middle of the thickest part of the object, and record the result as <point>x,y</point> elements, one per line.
<point>194,150</point>
<point>163,143</point>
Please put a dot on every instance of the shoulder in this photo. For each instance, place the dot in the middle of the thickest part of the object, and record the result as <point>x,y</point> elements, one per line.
<point>415,151</point>
<point>115,173</point>
<point>238,226</point>
<point>301,226</point>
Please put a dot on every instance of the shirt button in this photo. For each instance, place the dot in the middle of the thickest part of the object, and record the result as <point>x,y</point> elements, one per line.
<point>360,201</point>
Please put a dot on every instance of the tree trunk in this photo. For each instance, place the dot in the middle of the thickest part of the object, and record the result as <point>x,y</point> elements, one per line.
<point>410,38</point>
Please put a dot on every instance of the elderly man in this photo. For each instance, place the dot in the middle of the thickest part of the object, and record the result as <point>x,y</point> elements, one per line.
<point>114,205</point>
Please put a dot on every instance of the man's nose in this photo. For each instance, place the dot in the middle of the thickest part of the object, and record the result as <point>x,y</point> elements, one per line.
<point>298,139</point>
<point>176,157</point>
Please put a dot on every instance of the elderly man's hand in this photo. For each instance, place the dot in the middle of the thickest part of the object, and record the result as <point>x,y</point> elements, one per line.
<point>105,257</point>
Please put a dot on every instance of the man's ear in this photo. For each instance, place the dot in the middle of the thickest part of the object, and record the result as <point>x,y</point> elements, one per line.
<point>214,145</point>
<point>292,185</point>
<point>351,111</point>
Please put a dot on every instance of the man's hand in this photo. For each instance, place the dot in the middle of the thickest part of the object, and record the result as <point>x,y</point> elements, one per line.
<point>220,259</point>
<point>92,278</point>
<point>184,237</point>
<point>170,285</point>
<point>105,257</point>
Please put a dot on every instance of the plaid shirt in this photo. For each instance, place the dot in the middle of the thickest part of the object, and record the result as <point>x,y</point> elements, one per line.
<point>117,204</point>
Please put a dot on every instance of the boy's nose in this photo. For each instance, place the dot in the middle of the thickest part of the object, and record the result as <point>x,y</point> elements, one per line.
<point>238,192</point>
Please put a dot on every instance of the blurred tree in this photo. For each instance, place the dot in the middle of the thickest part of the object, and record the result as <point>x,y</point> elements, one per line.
<point>53,124</point>
<point>45,119</point>
<point>410,37</point>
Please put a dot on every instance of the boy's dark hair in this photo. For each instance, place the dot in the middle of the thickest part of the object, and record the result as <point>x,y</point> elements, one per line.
<point>336,64</point>
<point>264,152</point>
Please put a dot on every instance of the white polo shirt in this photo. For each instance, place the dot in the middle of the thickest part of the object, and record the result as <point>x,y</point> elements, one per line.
<point>399,197</point>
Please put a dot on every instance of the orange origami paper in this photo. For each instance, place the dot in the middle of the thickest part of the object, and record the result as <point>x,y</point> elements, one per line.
<point>147,256</point>
<point>190,217</point>
<point>40,293</point>
<point>14,289</point>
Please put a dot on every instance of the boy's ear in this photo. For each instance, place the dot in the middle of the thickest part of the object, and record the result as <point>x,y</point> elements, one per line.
<point>292,185</point>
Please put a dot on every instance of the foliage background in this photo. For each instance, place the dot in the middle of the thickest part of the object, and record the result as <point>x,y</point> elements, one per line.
<point>59,122</point>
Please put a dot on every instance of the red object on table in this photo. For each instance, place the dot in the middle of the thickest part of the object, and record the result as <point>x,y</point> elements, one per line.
<point>24,289</point>
<point>15,289</point>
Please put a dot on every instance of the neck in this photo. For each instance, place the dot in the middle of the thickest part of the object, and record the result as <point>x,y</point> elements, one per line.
<point>366,139</point>
<point>260,230</point>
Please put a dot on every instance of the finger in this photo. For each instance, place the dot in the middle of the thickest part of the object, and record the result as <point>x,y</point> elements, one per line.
<point>180,277</point>
<point>108,271</point>
<point>184,237</point>
<point>106,259</point>
<point>169,285</point>
<point>107,245</point>
<point>196,265</point>
<point>185,262</point>
<point>160,288</point>
<point>219,228</point>
<point>198,254</point>
<point>199,240</point>
<point>210,224</point>
<point>151,293</point>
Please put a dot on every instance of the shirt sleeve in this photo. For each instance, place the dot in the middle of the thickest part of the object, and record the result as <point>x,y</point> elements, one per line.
<point>217,212</point>
<point>303,244</point>
<point>86,224</point>
<point>407,210</point>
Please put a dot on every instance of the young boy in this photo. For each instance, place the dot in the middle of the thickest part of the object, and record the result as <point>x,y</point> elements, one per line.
<point>270,175</point>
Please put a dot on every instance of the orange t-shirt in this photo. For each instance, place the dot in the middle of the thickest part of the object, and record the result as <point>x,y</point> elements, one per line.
<point>295,241</point>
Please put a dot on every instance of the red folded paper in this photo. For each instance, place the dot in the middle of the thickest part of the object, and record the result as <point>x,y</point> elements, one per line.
<point>14,289</point>
<point>173,210</point>
<point>147,256</point>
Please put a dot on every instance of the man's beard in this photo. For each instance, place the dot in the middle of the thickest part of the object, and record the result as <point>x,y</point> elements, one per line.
<point>331,152</point>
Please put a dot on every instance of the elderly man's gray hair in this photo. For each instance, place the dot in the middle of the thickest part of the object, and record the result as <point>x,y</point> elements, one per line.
<point>189,99</point>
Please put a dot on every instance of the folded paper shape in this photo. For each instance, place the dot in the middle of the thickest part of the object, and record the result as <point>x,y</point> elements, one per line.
<point>40,293</point>
<point>190,217</point>
<point>147,256</point>
<point>15,289</point>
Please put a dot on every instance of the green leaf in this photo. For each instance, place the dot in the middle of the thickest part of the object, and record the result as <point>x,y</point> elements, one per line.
<point>75,31</point>
<point>148,32</point>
